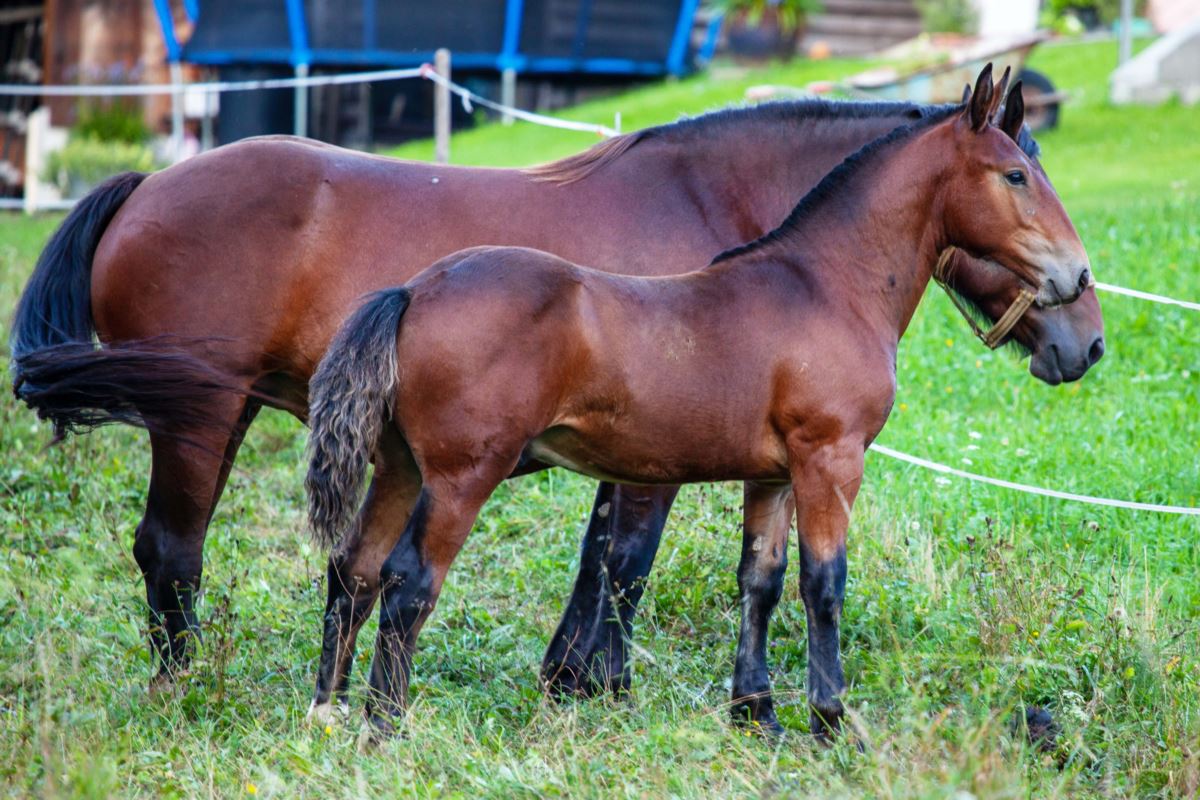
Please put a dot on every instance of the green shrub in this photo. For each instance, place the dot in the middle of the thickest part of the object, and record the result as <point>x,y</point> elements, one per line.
<point>114,122</point>
<point>87,160</point>
<point>948,16</point>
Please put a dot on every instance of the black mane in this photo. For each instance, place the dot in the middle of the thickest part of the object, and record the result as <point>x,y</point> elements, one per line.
<point>838,176</point>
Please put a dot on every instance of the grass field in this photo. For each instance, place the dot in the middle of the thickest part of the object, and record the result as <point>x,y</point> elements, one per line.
<point>964,602</point>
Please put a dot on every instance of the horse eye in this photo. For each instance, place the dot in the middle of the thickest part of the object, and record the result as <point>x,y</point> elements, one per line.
<point>1015,177</point>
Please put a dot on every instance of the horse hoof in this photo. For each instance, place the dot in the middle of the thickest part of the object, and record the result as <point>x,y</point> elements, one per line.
<point>322,714</point>
<point>165,684</point>
<point>825,722</point>
<point>768,729</point>
<point>379,730</point>
<point>562,682</point>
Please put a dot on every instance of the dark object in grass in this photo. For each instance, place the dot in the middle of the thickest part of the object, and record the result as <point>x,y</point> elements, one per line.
<point>1040,727</point>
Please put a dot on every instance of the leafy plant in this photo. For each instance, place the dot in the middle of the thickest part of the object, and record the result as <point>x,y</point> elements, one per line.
<point>1104,11</point>
<point>87,160</point>
<point>113,122</point>
<point>948,16</point>
<point>790,14</point>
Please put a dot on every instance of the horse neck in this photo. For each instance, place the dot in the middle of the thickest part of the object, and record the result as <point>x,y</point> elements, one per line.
<point>751,172</point>
<point>869,244</point>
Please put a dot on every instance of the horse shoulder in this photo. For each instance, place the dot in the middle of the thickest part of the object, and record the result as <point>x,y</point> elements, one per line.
<point>826,395</point>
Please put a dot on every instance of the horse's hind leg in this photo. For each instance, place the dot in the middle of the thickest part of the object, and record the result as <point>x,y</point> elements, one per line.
<point>236,437</point>
<point>187,473</point>
<point>412,577</point>
<point>768,512</point>
<point>353,575</point>
<point>588,651</point>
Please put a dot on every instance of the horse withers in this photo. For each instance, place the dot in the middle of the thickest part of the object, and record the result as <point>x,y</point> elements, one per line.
<point>775,365</point>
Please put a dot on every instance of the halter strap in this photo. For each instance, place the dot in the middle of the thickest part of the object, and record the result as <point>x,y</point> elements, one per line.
<point>992,337</point>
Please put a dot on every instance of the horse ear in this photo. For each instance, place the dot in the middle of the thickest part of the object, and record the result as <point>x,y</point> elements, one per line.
<point>1001,88</point>
<point>981,100</point>
<point>1014,112</point>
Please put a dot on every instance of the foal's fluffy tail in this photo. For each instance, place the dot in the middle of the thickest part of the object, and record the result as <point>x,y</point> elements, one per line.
<point>350,400</point>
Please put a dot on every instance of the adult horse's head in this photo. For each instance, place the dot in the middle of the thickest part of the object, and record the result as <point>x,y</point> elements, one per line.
<point>1064,341</point>
<point>1000,205</point>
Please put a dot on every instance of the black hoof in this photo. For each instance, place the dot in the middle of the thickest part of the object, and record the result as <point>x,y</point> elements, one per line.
<point>757,717</point>
<point>380,729</point>
<point>570,680</point>
<point>567,682</point>
<point>825,721</point>
<point>1040,727</point>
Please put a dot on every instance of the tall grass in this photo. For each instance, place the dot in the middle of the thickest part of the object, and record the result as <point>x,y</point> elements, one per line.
<point>964,605</point>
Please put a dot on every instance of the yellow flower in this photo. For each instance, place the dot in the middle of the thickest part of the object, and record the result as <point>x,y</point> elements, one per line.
<point>251,788</point>
<point>1129,673</point>
<point>949,343</point>
<point>328,730</point>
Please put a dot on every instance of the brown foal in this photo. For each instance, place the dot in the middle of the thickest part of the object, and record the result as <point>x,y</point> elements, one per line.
<point>775,366</point>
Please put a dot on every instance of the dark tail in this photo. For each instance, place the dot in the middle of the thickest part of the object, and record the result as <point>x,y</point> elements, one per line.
<point>350,400</point>
<point>56,307</point>
<point>57,368</point>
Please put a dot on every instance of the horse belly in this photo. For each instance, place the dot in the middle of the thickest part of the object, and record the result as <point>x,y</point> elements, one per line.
<point>625,454</point>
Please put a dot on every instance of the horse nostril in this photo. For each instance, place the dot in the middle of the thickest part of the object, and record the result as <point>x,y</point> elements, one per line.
<point>1096,351</point>
<point>1085,278</point>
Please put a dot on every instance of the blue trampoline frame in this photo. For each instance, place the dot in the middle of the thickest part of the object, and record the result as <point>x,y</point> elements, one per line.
<point>301,56</point>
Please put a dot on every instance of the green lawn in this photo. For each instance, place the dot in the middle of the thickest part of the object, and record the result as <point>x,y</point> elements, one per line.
<point>963,603</point>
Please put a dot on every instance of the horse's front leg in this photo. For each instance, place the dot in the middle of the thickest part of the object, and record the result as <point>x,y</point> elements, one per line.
<point>767,519</point>
<point>825,479</point>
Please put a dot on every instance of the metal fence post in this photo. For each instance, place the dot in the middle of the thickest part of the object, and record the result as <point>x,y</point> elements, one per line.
<point>508,93</point>
<point>176,111</point>
<point>300,104</point>
<point>441,109</point>
<point>1126,35</point>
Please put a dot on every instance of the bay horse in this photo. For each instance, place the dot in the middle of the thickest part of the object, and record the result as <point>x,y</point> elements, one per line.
<point>245,259</point>
<point>775,365</point>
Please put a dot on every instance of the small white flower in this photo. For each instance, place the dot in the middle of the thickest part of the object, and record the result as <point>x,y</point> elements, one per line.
<point>975,434</point>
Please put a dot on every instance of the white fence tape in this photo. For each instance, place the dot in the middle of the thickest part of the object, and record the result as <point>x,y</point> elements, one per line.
<point>1038,490</point>
<point>137,90</point>
<point>469,97</point>
<point>1153,298</point>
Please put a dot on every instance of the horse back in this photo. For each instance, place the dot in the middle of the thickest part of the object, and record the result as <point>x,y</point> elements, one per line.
<point>273,241</point>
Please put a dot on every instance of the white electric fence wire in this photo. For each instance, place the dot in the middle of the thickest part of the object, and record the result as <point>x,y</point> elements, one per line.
<point>1038,490</point>
<point>1153,298</point>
